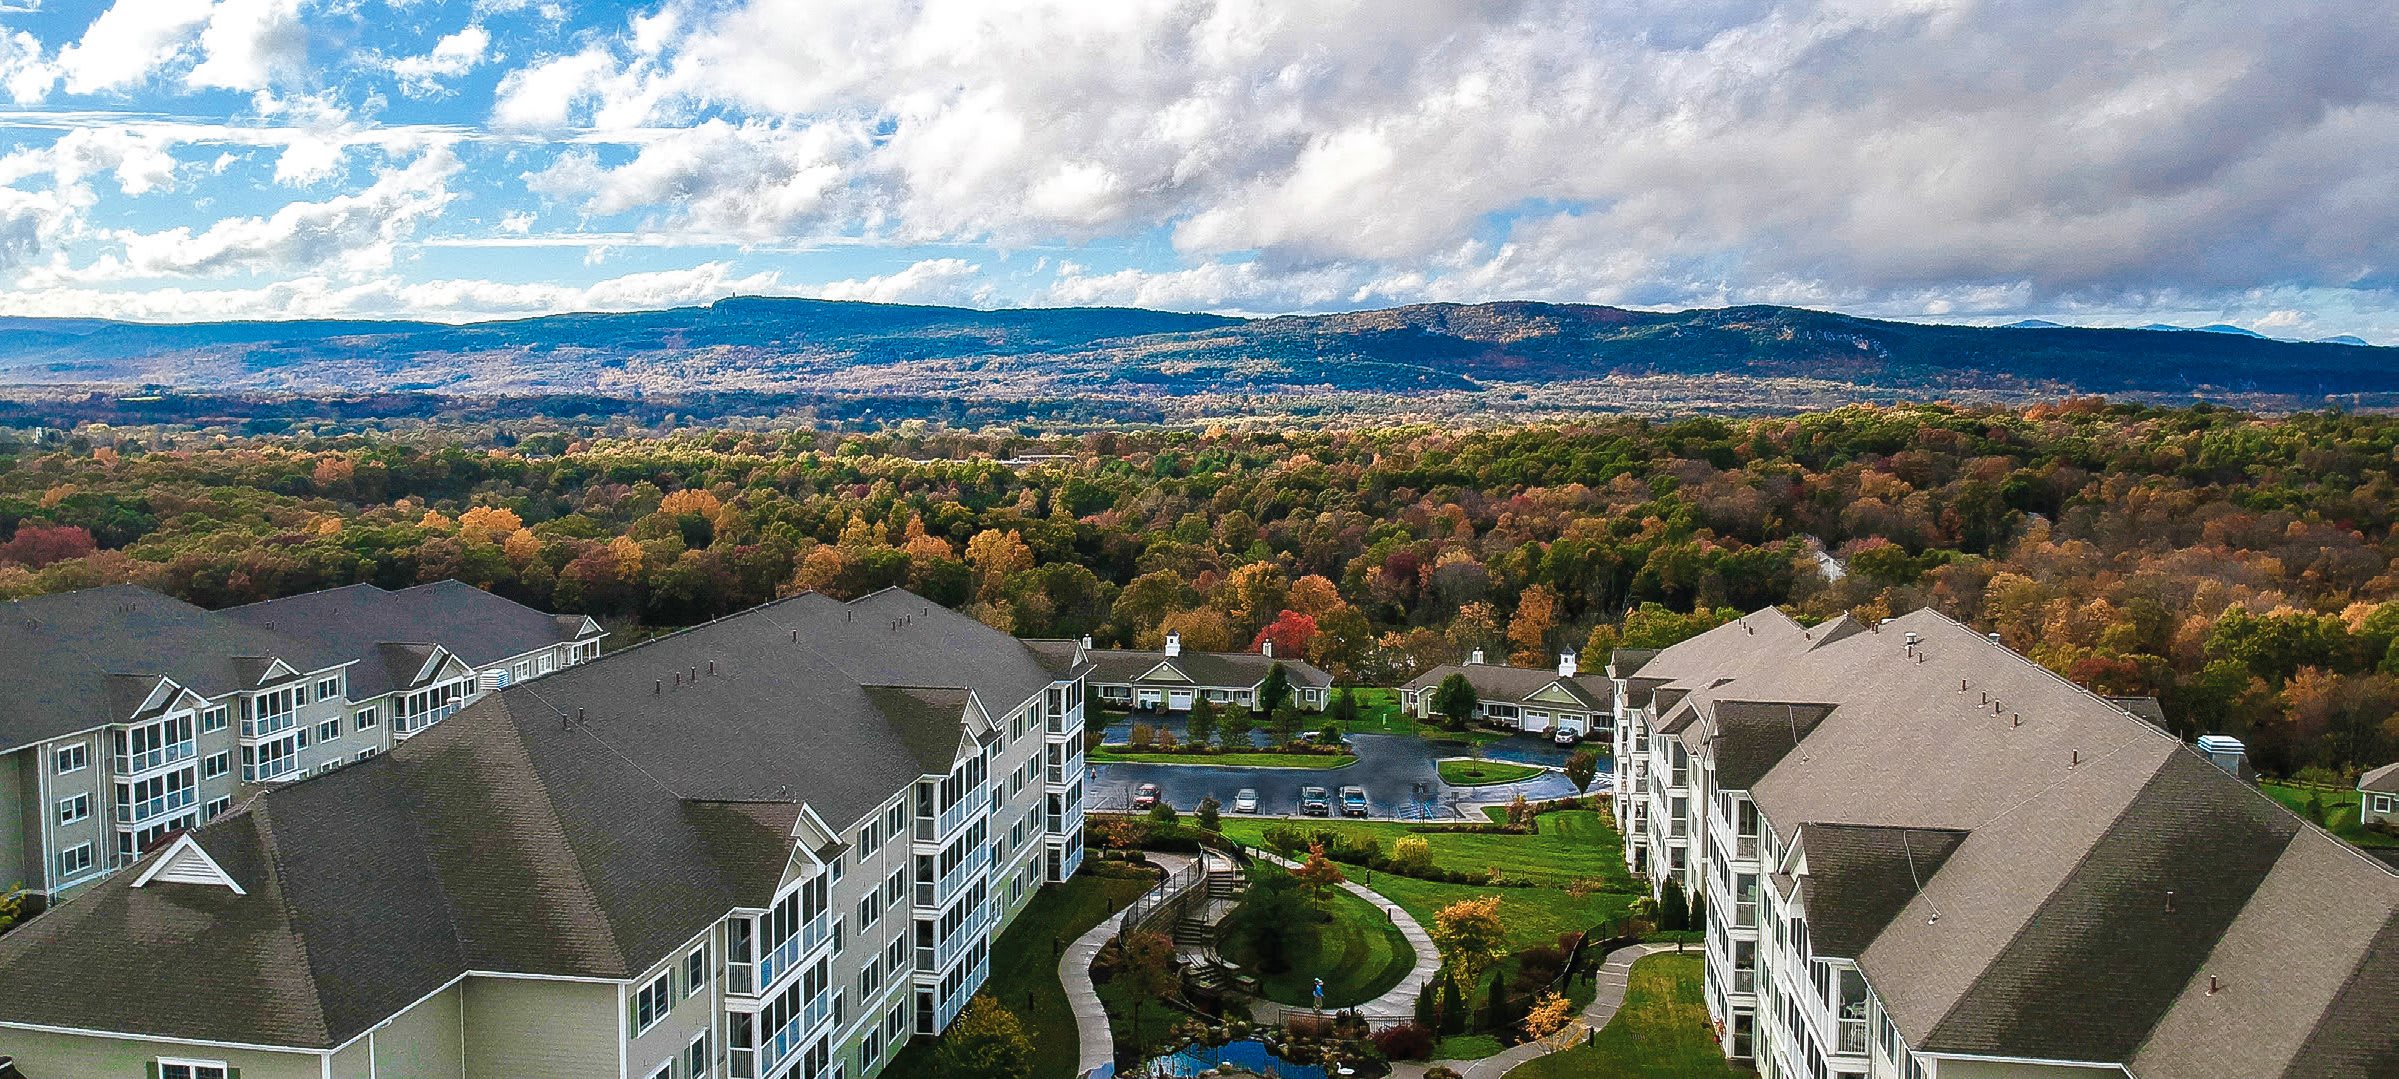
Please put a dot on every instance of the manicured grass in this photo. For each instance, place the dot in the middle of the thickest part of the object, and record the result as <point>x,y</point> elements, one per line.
<point>1024,970</point>
<point>1242,760</point>
<point>1569,845</point>
<point>1467,1047</point>
<point>1662,1032</point>
<point>1474,773</point>
<point>1355,949</point>
<point>1378,713</point>
<point>1532,915</point>
<point>2340,811</point>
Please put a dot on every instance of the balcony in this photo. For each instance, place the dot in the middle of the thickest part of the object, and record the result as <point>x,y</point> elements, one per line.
<point>931,830</point>
<point>270,771</point>
<point>411,724</point>
<point>270,726</point>
<point>172,753</point>
<point>148,809</point>
<point>783,1043</point>
<point>1853,1037</point>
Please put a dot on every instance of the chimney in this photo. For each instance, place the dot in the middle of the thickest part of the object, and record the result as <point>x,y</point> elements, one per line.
<point>1087,642</point>
<point>1174,643</point>
<point>1476,657</point>
<point>1566,664</point>
<point>1266,648</point>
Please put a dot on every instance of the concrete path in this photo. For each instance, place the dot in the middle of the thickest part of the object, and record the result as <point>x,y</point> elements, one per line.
<point>1614,975</point>
<point>1098,1046</point>
<point>1399,1004</point>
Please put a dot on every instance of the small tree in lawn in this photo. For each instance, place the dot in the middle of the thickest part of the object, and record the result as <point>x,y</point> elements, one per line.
<point>1209,817</point>
<point>1552,1023</point>
<point>1453,1005</point>
<point>1233,727</point>
<point>1163,814</point>
<point>1674,913</point>
<point>1470,936</point>
<point>1496,1015</point>
<point>1274,689</point>
<point>1319,872</point>
<point>1285,724</point>
<point>986,1041</point>
<point>1344,708</point>
<point>1699,911</point>
<point>1146,968</point>
<point>1582,768</point>
<point>1202,722</point>
<point>1454,699</point>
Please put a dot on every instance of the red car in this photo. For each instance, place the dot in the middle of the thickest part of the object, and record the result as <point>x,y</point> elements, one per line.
<point>1145,796</point>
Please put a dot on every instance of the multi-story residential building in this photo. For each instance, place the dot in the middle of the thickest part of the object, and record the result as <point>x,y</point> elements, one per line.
<point>1525,698</point>
<point>1924,856</point>
<point>778,844</point>
<point>126,715</point>
<point>1168,680</point>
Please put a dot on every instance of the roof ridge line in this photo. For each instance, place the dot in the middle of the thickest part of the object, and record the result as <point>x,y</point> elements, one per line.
<point>264,825</point>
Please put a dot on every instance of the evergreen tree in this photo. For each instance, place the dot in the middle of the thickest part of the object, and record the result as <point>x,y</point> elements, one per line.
<point>1454,699</point>
<point>1202,722</point>
<point>1495,1010</point>
<point>1209,817</point>
<point>1582,768</point>
<point>1344,708</point>
<point>1453,1007</point>
<point>1233,727</point>
<point>1284,725</point>
<point>1699,910</point>
<point>1674,914</point>
<point>1274,689</point>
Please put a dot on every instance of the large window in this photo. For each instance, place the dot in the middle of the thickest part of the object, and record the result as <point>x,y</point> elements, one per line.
<point>272,712</point>
<point>154,745</point>
<point>70,759</point>
<point>653,1001</point>
<point>141,799</point>
<point>272,760</point>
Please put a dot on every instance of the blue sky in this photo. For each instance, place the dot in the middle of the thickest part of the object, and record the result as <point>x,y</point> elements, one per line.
<point>1967,160</point>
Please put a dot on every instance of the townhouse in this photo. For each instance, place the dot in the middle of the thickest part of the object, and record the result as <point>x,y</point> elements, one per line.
<point>778,844</point>
<point>127,716</point>
<point>1924,856</point>
<point>1524,698</point>
<point>1169,679</point>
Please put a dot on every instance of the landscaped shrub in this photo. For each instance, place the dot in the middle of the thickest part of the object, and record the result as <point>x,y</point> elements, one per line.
<point>1411,855</point>
<point>1405,1041</point>
<point>1308,1027</point>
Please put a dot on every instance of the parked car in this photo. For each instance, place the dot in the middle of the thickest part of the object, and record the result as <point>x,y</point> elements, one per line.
<point>1316,801</point>
<point>1353,801</point>
<point>1246,801</point>
<point>1145,796</point>
<point>1565,737</point>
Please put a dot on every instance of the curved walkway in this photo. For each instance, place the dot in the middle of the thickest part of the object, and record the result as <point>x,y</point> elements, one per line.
<point>1614,975</point>
<point>1399,1003</point>
<point>1098,1045</point>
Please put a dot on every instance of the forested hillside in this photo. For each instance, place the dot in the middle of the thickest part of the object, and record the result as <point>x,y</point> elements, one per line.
<point>2239,568</point>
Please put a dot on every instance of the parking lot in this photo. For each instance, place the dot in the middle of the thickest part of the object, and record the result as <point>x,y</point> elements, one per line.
<point>1396,771</point>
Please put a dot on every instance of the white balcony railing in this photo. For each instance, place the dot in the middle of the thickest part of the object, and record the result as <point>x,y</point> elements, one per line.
<point>148,809</point>
<point>171,753</point>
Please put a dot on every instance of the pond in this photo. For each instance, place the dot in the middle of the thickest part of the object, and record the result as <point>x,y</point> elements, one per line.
<point>1249,1056</point>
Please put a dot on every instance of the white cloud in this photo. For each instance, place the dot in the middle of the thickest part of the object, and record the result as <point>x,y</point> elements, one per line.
<point>248,43</point>
<point>317,296</point>
<point>129,41</point>
<point>940,281</point>
<point>24,75</point>
<point>454,55</point>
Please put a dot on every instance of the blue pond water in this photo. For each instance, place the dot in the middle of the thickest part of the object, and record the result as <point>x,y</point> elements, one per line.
<point>1251,1056</point>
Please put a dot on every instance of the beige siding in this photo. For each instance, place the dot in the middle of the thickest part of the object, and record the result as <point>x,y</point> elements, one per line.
<point>693,1012</point>
<point>423,1042</point>
<point>43,1055</point>
<point>525,1029</point>
<point>1992,1069</point>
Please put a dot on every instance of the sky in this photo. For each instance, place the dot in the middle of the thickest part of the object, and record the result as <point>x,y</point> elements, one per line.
<point>2103,162</point>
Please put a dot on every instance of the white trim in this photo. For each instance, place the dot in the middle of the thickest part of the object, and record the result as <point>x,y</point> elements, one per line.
<point>86,1032</point>
<point>185,843</point>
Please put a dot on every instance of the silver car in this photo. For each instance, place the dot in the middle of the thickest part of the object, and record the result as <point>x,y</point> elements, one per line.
<point>1246,801</point>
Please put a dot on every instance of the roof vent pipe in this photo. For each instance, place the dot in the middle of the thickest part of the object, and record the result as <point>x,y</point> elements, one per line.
<point>2169,900</point>
<point>658,687</point>
<point>712,667</point>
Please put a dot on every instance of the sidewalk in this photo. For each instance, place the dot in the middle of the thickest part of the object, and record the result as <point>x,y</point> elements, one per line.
<point>1613,976</point>
<point>1399,1004</point>
<point>1098,1045</point>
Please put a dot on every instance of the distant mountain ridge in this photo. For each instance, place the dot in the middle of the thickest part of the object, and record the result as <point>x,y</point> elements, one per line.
<point>746,344</point>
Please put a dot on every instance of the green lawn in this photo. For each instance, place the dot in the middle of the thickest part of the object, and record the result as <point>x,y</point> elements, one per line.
<point>1246,760</point>
<point>1024,970</point>
<point>1474,773</point>
<point>1355,949</point>
<point>1467,1047</point>
<point>1662,1032</point>
<point>1378,713</point>
<point>2340,811</point>
<point>1570,845</point>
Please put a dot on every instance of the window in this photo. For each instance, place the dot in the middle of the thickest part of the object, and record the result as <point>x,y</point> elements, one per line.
<point>214,719</point>
<point>216,807</point>
<point>839,861</point>
<point>695,970</point>
<point>216,764</point>
<point>837,935</point>
<point>651,1004</point>
<point>329,688</point>
<point>866,841</point>
<point>366,718</point>
<point>364,754</point>
<point>74,758</point>
<point>329,729</point>
<point>2382,803</point>
<point>192,1069</point>
<point>665,1071</point>
<point>695,1057</point>
<point>870,911</point>
<point>74,861</point>
<point>74,809</point>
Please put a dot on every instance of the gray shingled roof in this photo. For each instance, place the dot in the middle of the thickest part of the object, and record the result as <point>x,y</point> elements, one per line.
<point>1511,685</point>
<point>1241,670</point>
<point>73,657</point>
<point>583,824</point>
<point>2053,936</point>
<point>347,623</point>
<point>2383,780</point>
<point>1859,878</point>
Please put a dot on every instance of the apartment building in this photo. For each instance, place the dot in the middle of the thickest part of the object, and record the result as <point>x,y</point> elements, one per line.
<point>1169,679</point>
<point>1525,698</point>
<point>1926,857</point>
<point>127,716</point>
<point>779,844</point>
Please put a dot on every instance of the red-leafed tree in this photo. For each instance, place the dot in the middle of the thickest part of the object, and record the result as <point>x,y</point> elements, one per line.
<point>1291,633</point>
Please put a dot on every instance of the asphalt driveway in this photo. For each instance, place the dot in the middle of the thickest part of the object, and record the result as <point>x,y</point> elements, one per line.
<point>1396,771</point>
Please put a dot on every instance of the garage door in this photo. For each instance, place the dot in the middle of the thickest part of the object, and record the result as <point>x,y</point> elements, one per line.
<point>1178,700</point>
